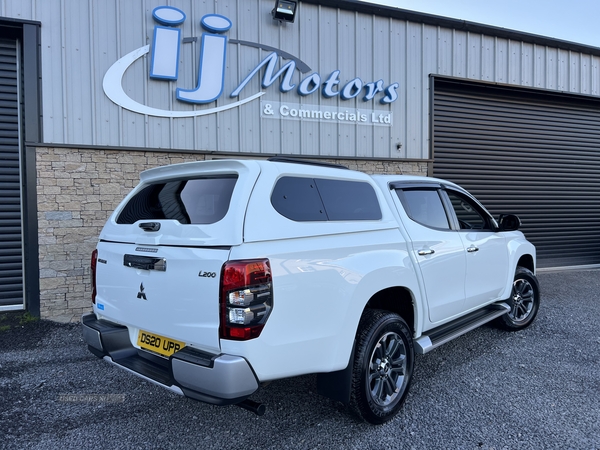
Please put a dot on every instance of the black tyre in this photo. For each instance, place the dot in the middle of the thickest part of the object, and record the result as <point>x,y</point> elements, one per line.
<point>383,366</point>
<point>524,301</point>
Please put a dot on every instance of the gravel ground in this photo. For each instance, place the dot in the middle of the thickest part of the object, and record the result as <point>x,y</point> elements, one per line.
<point>535,389</point>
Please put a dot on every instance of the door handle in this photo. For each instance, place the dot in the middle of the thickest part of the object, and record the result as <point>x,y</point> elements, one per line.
<point>426,252</point>
<point>150,226</point>
<point>473,249</point>
<point>145,262</point>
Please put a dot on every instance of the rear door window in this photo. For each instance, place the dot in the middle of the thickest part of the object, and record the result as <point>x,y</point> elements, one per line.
<point>424,206</point>
<point>189,201</point>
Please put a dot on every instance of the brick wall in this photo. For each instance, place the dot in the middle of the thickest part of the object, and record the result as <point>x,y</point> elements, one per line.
<point>78,189</point>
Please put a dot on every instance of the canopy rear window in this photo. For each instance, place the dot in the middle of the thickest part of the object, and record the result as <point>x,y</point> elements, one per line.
<point>189,201</point>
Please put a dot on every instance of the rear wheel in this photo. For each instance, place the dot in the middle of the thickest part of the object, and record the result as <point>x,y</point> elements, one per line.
<point>524,301</point>
<point>383,366</point>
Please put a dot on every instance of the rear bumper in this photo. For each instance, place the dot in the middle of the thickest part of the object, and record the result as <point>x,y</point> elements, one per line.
<point>216,379</point>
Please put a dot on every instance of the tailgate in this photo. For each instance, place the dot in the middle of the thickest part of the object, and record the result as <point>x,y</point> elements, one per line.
<point>172,292</point>
<point>160,254</point>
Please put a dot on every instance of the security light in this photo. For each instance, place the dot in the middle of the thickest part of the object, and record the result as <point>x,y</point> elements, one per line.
<point>285,10</point>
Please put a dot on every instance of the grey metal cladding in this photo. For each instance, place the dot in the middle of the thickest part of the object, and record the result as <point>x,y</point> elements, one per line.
<point>82,39</point>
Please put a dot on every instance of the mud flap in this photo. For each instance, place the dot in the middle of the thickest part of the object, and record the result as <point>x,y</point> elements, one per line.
<point>337,385</point>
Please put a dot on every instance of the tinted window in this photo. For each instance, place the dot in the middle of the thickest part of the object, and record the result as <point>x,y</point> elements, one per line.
<point>467,212</point>
<point>349,200</point>
<point>298,199</point>
<point>197,201</point>
<point>424,207</point>
<point>308,199</point>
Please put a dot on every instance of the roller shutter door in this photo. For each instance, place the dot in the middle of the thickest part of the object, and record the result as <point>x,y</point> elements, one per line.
<point>526,152</point>
<point>11,246</point>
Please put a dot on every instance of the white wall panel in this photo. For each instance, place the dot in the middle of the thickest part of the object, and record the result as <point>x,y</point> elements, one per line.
<point>488,58</point>
<point>133,129</point>
<point>52,71</point>
<point>595,76</point>
<point>474,62</point>
<point>501,60</point>
<point>82,39</point>
<point>384,142</point>
<point>248,29</point>
<point>552,69</point>
<point>159,128</point>
<point>351,32</point>
<point>459,51</point>
<point>563,70</point>
<point>527,64</point>
<point>361,64</point>
<point>228,126</point>
<point>78,87</point>
<point>586,72</point>
<point>414,91</point>
<point>575,72</point>
<point>182,131</point>
<point>514,62</point>
<point>539,69</point>
<point>310,48</point>
<point>272,130</point>
<point>23,9</point>
<point>429,65</point>
<point>328,56</point>
<point>287,39</point>
<point>444,51</point>
<point>105,51</point>
<point>398,68</point>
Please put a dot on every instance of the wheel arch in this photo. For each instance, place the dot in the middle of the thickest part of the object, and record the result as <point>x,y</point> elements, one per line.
<point>397,299</point>
<point>527,262</point>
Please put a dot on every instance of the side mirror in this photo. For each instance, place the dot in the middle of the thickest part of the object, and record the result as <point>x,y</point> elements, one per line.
<point>509,222</point>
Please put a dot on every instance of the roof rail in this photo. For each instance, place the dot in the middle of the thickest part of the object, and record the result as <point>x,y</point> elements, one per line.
<point>306,161</point>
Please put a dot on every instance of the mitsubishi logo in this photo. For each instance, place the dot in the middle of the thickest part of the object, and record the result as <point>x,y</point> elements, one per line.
<point>141,294</point>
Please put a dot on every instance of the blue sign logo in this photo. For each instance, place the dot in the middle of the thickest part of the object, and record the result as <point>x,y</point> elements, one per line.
<point>210,85</point>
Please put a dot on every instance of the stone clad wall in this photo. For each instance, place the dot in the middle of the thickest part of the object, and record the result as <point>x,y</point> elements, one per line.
<point>78,189</point>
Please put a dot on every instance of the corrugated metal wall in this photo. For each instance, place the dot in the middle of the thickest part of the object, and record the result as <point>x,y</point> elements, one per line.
<point>81,39</point>
<point>11,245</point>
<point>529,153</point>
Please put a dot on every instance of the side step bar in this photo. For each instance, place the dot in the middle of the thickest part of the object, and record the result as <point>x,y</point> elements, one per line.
<point>445,333</point>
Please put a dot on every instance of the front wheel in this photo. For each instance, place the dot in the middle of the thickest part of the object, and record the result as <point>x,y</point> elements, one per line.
<point>383,366</point>
<point>524,301</point>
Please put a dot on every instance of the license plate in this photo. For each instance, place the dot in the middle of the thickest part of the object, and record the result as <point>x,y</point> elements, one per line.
<point>158,344</point>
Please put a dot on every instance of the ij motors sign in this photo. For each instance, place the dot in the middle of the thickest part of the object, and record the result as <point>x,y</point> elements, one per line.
<point>273,69</point>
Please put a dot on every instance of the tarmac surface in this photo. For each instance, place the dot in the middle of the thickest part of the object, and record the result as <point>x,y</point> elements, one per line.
<point>489,389</point>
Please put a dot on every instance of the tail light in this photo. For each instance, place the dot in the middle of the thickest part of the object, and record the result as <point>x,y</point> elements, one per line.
<point>93,273</point>
<point>246,298</point>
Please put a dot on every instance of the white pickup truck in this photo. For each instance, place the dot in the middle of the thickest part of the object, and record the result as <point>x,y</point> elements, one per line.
<point>213,277</point>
